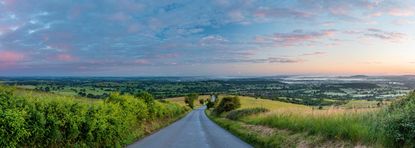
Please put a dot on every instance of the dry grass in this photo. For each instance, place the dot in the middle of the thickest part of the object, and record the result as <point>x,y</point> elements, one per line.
<point>277,107</point>
<point>180,100</point>
<point>357,104</point>
<point>250,102</point>
<point>331,122</point>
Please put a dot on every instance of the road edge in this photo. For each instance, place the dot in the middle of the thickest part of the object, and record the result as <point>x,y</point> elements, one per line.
<point>155,130</point>
<point>241,135</point>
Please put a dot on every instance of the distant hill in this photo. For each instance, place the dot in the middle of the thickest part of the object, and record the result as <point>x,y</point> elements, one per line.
<point>359,76</point>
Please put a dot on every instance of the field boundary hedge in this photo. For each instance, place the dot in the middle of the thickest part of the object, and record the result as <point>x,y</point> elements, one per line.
<point>57,122</point>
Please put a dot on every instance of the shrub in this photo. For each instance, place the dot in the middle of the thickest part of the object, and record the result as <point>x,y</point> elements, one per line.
<point>190,98</point>
<point>12,119</point>
<point>51,121</point>
<point>398,122</point>
<point>210,104</point>
<point>237,114</point>
<point>202,101</point>
<point>228,104</point>
<point>149,100</point>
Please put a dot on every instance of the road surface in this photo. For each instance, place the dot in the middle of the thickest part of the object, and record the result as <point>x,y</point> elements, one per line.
<point>195,130</point>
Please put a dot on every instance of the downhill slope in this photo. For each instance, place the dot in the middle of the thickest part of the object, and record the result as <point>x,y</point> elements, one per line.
<point>194,130</point>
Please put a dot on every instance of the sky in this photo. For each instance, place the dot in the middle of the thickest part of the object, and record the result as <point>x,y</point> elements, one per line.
<point>206,37</point>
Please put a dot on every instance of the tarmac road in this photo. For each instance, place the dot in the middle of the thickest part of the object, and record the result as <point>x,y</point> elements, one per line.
<point>195,130</point>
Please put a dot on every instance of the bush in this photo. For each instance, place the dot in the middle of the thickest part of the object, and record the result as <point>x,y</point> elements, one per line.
<point>210,104</point>
<point>149,100</point>
<point>237,114</point>
<point>202,101</point>
<point>228,104</point>
<point>51,121</point>
<point>190,99</point>
<point>399,122</point>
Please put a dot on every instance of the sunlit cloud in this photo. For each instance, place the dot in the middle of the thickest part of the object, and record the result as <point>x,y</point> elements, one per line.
<point>294,38</point>
<point>65,57</point>
<point>142,62</point>
<point>380,34</point>
<point>314,53</point>
<point>99,36</point>
<point>401,12</point>
<point>11,56</point>
<point>213,39</point>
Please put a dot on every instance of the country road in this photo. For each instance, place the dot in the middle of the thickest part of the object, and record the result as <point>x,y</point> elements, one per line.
<point>195,130</point>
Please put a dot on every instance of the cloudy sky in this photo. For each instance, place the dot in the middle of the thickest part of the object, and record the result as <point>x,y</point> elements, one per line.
<point>206,37</point>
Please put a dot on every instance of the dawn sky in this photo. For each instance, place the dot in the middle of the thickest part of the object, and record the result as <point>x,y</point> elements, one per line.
<point>206,37</point>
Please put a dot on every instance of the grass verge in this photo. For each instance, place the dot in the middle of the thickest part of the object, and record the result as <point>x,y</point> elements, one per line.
<point>267,137</point>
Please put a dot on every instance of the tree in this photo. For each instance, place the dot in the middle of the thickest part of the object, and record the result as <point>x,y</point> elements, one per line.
<point>228,104</point>
<point>190,98</point>
<point>47,89</point>
<point>201,101</point>
<point>210,104</point>
<point>148,99</point>
<point>90,95</point>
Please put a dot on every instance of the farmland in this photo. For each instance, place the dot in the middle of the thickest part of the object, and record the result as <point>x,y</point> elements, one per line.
<point>312,91</point>
<point>284,112</point>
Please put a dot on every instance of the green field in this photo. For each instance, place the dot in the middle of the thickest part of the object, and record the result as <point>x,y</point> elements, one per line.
<point>363,104</point>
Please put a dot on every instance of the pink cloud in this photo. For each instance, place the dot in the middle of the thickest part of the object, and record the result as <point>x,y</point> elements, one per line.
<point>66,57</point>
<point>5,29</point>
<point>294,38</point>
<point>142,62</point>
<point>401,12</point>
<point>11,56</point>
<point>9,2</point>
<point>375,14</point>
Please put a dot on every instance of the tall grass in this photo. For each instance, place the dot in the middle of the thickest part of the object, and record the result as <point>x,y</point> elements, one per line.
<point>388,126</point>
<point>392,125</point>
<point>356,127</point>
<point>237,114</point>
